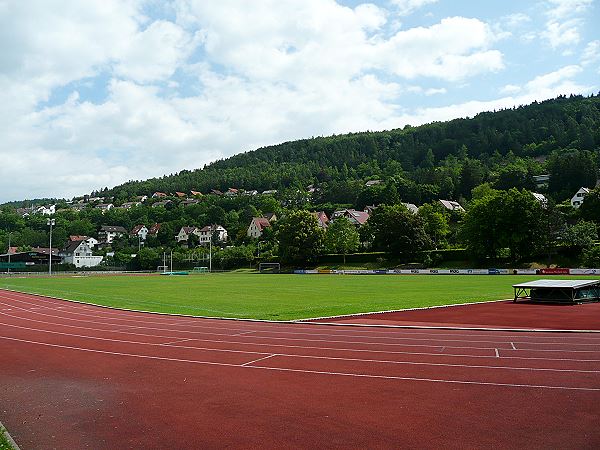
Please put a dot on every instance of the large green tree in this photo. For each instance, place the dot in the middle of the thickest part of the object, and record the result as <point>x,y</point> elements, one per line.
<point>300,237</point>
<point>395,229</point>
<point>504,219</point>
<point>341,237</point>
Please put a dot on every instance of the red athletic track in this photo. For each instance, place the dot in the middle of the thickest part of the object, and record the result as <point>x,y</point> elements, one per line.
<point>505,314</point>
<point>79,376</point>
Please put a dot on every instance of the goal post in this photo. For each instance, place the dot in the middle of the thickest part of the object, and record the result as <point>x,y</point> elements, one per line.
<point>199,270</point>
<point>265,267</point>
<point>162,268</point>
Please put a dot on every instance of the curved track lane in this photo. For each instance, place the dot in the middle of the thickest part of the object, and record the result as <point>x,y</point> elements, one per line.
<point>80,376</point>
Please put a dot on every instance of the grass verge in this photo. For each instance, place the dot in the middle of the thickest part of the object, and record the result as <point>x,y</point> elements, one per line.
<point>273,297</point>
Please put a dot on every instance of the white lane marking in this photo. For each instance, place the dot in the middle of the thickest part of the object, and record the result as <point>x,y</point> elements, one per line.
<point>342,349</point>
<point>513,346</point>
<point>243,333</point>
<point>302,339</point>
<point>175,342</point>
<point>259,359</point>
<point>358,375</point>
<point>294,355</point>
<point>192,323</point>
<point>497,355</point>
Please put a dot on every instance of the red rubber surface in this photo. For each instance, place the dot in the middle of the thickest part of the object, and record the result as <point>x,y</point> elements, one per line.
<point>504,314</point>
<point>79,376</point>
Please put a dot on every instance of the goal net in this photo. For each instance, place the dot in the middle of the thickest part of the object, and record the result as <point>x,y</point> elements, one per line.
<point>269,267</point>
<point>162,269</point>
<point>197,270</point>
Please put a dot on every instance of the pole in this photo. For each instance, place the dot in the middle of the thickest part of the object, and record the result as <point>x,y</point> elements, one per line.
<point>9,234</point>
<point>164,262</point>
<point>171,262</point>
<point>50,222</point>
<point>210,255</point>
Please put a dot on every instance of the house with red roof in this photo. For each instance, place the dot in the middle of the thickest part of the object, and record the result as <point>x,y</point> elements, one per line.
<point>257,226</point>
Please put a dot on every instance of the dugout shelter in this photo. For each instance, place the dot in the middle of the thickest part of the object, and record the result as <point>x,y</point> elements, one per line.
<point>558,291</point>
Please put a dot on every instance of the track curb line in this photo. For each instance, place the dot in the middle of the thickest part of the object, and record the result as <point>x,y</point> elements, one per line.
<point>8,437</point>
<point>312,321</point>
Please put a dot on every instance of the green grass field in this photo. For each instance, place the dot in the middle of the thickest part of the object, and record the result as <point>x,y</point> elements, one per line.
<point>274,297</point>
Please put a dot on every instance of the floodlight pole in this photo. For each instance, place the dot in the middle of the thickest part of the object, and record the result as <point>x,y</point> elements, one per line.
<point>210,255</point>
<point>9,234</point>
<point>50,222</point>
<point>171,262</point>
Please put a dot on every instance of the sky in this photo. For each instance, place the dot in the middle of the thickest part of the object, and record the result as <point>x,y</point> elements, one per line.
<point>97,92</point>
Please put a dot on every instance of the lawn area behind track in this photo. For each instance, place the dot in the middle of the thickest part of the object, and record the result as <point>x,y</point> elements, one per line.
<point>274,297</point>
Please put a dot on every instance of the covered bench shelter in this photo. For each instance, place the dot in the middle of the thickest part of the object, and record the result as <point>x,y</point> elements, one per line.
<point>558,291</point>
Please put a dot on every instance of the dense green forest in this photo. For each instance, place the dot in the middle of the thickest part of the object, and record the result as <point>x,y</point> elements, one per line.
<point>438,160</point>
<point>488,164</point>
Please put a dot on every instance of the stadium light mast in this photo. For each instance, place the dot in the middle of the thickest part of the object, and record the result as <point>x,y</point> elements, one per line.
<point>210,255</point>
<point>9,234</point>
<point>50,223</point>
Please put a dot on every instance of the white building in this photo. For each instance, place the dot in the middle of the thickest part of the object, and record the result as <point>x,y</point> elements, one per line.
<point>577,199</point>
<point>79,253</point>
<point>258,224</point>
<point>205,234</point>
<point>184,234</point>
<point>108,233</point>
<point>139,231</point>
<point>451,205</point>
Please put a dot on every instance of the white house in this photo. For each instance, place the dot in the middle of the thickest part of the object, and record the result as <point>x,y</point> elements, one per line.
<point>104,207</point>
<point>411,207</point>
<point>90,241</point>
<point>451,205</point>
<point>108,233</point>
<point>258,224</point>
<point>139,231</point>
<point>184,234</point>
<point>540,198</point>
<point>46,210</point>
<point>79,253</point>
<point>358,218</point>
<point>577,199</point>
<point>205,234</point>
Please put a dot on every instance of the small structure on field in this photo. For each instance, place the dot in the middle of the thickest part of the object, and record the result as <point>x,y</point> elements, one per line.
<point>558,291</point>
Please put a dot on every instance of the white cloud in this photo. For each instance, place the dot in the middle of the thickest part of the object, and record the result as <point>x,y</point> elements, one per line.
<point>515,20</point>
<point>435,91</point>
<point>591,53</point>
<point>564,21</point>
<point>406,7</point>
<point>224,77</point>
<point>510,89</point>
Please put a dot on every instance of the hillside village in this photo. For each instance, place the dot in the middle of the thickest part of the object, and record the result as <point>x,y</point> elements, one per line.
<point>83,251</point>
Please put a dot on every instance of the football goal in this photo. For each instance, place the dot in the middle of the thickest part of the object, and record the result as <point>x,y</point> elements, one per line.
<point>197,270</point>
<point>264,267</point>
<point>162,269</point>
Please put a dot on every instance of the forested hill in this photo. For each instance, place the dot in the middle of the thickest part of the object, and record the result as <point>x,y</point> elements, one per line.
<point>443,159</point>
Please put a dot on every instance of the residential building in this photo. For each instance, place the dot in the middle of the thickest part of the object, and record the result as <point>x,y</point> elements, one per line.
<point>180,194</point>
<point>577,199</point>
<point>257,226</point>
<point>139,231</point>
<point>196,193</point>
<point>159,195</point>
<point>162,204</point>
<point>232,192</point>
<point>358,218</point>
<point>205,234</point>
<point>270,192</point>
<point>108,233</point>
<point>411,207</point>
<point>184,234</point>
<point>540,198</point>
<point>129,205</point>
<point>153,230</point>
<point>451,205</point>
<point>541,181</point>
<point>79,253</point>
<point>104,207</point>
<point>373,183</point>
<point>321,218</point>
<point>90,241</point>
<point>271,217</point>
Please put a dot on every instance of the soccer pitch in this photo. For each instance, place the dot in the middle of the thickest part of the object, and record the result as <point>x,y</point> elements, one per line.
<point>272,297</point>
